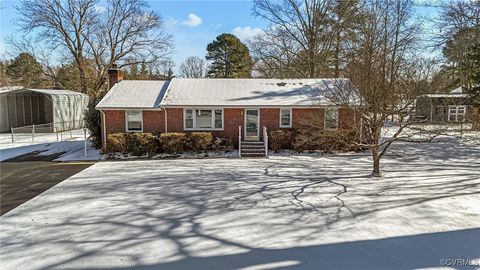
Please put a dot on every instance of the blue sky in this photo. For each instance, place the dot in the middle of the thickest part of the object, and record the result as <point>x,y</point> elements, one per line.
<point>193,23</point>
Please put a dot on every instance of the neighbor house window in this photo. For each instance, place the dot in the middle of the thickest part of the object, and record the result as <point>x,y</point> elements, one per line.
<point>331,118</point>
<point>285,118</point>
<point>456,113</point>
<point>439,110</point>
<point>204,119</point>
<point>134,120</point>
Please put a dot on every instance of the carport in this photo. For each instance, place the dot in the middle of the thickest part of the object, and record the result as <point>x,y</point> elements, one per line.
<point>62,109</point>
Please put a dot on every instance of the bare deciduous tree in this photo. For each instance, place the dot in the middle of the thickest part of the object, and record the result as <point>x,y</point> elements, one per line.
<point>193,67</point>
<point>305,38</point>
<point>276,55</point>
<point>121,32</point>
<point>385,77</point>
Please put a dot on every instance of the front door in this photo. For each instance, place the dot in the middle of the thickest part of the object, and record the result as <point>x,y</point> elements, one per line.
<point>251,125</point>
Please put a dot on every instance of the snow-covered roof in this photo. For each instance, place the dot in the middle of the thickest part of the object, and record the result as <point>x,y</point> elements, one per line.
<point>458,90</point>
<point>51,92</point>
<point>446,95</point>
<point>134,94</point>
<point>248,92</point>
<point>7,89</point>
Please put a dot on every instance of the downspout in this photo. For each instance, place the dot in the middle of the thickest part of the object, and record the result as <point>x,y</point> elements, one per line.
<point>166,119</point>
<point>104,131</point>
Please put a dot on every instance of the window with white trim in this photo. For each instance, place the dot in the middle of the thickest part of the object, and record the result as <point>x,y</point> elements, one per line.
<point>331,118</point>
<point>203,119</point>
<point>456,113</point>
<point>134,121</point>
<point>285,118</point>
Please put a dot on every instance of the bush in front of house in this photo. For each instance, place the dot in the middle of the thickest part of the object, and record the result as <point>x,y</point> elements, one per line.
<point>199,141</point>
<point>137,144</point>
<point>325,140</point>
<point>281,139</point>
<point>117,143</point>
<point>173,142</point>
<point>223,144</point>
<point>141,143</point>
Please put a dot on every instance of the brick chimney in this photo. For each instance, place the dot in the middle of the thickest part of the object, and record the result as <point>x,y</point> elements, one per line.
<point>114,75</point>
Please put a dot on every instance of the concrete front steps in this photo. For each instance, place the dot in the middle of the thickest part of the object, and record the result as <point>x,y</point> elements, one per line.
<point>253,149</point>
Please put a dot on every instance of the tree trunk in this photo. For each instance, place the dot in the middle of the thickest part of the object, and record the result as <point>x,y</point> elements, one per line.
<point>376,162</point>
<point>337,55</point>
<point>476,118</point>
<point>81,73</point>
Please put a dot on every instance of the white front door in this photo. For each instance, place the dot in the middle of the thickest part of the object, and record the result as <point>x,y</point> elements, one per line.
<point>252,119</point>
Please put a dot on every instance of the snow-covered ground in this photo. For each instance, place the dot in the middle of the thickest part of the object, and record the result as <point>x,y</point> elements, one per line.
<point>303,212</point>
<point>69,143</point>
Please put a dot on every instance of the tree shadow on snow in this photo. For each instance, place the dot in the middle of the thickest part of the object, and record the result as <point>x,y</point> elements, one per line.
<point>406,252</point>
<point>190,207</point>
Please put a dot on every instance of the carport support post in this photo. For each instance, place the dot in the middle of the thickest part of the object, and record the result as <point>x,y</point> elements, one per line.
<point>33,133</point>
<point>85,140</point>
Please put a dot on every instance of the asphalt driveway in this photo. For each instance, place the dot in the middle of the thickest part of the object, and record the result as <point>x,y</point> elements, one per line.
<point>278,213</point>
<point>25,177</point>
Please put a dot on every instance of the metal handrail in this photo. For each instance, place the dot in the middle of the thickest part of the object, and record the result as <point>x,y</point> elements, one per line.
<point>239,141</point>
<point>265,139</point>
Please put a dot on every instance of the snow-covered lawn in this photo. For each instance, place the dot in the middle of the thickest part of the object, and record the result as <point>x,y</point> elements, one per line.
<point>69,143</point>
<point>300,212</point>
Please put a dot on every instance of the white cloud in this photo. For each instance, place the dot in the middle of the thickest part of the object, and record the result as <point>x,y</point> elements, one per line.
<point>193,20</point>
<point>246,33</point>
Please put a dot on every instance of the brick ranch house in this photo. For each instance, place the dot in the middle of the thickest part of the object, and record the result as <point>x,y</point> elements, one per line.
<point>226,107</point>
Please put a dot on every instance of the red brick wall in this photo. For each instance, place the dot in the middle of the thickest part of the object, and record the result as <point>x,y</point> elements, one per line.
<point>232,119</point>
<point>154,121</point>
<point>269,118</point>
<point>115,121</point>
<point>175,119</point>
<point>346,119</point>
<point>307,117</point>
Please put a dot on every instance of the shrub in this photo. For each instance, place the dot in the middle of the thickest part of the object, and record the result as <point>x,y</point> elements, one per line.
<point>223,144</point>
<point>137,144</point>
<point>143,143</point>
<point>91,119</point>
<point>325,140</point>
<point>200,141</point>
<point>173,142</point>
<point>305,140</point>
<point>117,143</point>
<point>281,139</point>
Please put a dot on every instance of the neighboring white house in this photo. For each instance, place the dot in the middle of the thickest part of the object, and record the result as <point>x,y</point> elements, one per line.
<point>24,107</point>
